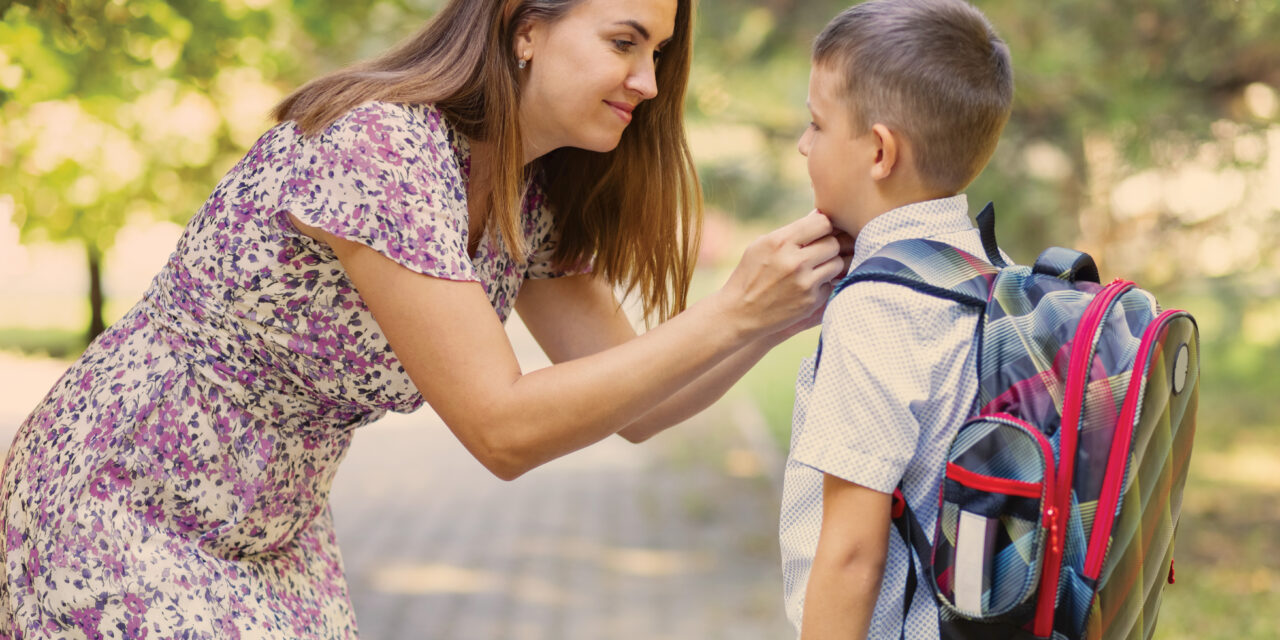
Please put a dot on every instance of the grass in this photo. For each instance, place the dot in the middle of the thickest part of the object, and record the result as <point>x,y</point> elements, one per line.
<point>1227,554</point>
<point>771,383</point>
<point>53,343</point>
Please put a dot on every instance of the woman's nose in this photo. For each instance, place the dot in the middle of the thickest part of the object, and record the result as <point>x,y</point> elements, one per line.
<point>644,82</point>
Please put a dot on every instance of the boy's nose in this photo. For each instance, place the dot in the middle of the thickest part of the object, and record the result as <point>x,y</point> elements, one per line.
<point>803,144</point>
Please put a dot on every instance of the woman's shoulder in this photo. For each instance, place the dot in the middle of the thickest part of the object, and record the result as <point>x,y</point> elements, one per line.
<point>414,132</point>
<point>382,119</point>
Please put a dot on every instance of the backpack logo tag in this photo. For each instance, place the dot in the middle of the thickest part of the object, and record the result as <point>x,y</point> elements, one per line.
<point>1180,365</point>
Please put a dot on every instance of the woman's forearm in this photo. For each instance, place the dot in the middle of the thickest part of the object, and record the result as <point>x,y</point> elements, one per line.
<point>664,375</point>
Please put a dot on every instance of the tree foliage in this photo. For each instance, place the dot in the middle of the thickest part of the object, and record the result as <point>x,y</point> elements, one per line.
<point>119,110</point>
<point>116,108</point>
<point>1104,91</point>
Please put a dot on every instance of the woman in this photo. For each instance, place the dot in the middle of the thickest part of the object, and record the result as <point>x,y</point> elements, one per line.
<point>362,258</point>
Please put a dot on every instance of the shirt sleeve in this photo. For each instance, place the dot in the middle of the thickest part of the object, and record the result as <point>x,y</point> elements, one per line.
<point>860,425</point>
<point>386,177</point>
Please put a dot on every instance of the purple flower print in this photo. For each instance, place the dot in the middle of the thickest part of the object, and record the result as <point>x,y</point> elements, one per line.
<point>177,477</point>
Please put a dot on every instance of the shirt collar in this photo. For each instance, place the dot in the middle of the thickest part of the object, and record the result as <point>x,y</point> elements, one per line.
<point>917,220</point>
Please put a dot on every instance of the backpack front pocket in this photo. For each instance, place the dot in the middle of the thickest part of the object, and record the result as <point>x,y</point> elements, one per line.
<point>996,520</point>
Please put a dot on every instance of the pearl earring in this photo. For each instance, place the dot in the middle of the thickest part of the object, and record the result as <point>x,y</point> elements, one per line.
<point>523,63</point>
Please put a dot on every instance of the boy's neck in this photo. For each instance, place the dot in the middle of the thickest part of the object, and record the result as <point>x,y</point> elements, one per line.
<point>895,194</point>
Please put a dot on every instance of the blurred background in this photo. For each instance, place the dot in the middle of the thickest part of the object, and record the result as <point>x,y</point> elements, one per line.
<point>1144,132</point>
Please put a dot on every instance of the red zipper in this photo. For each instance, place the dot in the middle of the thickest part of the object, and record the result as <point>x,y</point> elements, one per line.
<point>1113,482</point>
<point>1050,509</point>
<point>1003,486</point>
<point>1073,403</point>
<point>1048,495</point>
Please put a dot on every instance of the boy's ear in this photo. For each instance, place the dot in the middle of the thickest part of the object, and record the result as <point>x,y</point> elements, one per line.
<point>888,151</point>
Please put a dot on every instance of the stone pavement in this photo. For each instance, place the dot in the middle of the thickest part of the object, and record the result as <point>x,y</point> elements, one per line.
<point>675,538</point>
<point>671,539</point>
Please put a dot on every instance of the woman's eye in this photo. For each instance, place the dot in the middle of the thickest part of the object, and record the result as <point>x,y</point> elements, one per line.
<point>623,45</point>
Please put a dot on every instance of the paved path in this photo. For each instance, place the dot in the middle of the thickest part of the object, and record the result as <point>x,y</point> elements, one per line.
<point>617,541</point>
<point>672,539</point>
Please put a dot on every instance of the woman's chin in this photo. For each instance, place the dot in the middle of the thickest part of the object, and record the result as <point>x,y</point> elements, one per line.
<point>603,143</point>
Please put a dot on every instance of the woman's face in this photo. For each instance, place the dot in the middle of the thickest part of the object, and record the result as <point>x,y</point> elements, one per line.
<point>588,70</point>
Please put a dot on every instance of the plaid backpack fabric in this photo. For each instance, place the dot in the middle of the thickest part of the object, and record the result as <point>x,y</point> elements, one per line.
<point>1062,490</point>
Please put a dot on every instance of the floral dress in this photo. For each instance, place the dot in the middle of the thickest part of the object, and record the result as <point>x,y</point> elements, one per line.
<point>175,481</point>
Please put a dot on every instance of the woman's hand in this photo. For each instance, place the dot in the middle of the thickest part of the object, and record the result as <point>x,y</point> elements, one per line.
<point>814,319</point>
<point>784,278</point>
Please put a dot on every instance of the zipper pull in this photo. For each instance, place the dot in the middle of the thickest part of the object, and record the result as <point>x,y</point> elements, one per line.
<point>1051,520</point>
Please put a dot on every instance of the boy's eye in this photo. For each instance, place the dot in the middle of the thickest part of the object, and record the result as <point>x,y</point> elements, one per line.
<point>813,125</point>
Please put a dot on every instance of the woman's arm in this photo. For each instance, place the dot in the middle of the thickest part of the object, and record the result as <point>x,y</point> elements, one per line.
<point>455,350</point>
<point>577,316</point>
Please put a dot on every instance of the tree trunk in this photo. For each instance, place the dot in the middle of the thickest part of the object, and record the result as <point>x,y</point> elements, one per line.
<point>1097,227</point>
<point>96,324</point>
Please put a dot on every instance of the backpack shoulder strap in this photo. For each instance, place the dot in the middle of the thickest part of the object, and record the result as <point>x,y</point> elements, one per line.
<point>930,267</point>
<point>987,227</point>
<point>904,520</point>
<point>936,268</point>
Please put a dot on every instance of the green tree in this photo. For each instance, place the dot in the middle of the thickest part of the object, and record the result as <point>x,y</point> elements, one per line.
<point>1104,91</point>
<point>118,110</point>
<point>114,110</point>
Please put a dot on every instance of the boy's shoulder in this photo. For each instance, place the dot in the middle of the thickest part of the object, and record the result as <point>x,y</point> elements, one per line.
<point>886,316</point>
<point>867,303</point>
<point>881,322</point>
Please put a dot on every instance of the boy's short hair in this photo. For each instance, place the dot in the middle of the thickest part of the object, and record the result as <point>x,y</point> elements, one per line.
<point>932,70</point>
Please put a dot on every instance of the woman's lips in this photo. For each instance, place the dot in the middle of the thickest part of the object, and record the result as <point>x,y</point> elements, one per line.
<point>622,109</point>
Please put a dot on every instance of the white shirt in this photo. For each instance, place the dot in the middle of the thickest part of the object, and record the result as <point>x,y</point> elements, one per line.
<point>896,379</point>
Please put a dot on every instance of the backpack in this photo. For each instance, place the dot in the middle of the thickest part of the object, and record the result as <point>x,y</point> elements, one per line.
<point>1063,488</point>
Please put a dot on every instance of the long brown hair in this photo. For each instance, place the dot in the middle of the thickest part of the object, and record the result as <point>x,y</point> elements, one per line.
<point>635,211</point>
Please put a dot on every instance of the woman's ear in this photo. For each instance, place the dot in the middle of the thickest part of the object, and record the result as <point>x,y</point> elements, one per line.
<point>888,151</point>
<point>522,42</point>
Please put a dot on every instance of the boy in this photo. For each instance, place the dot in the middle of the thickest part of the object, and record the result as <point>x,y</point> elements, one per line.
<point>908,99</point>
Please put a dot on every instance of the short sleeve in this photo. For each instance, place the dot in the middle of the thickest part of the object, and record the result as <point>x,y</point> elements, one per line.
<point>860,425</point>
<point>544,233</point>
<point>385,176</point>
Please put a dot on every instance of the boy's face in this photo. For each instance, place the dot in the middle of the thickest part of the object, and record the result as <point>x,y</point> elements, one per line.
<point>840,159</point>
